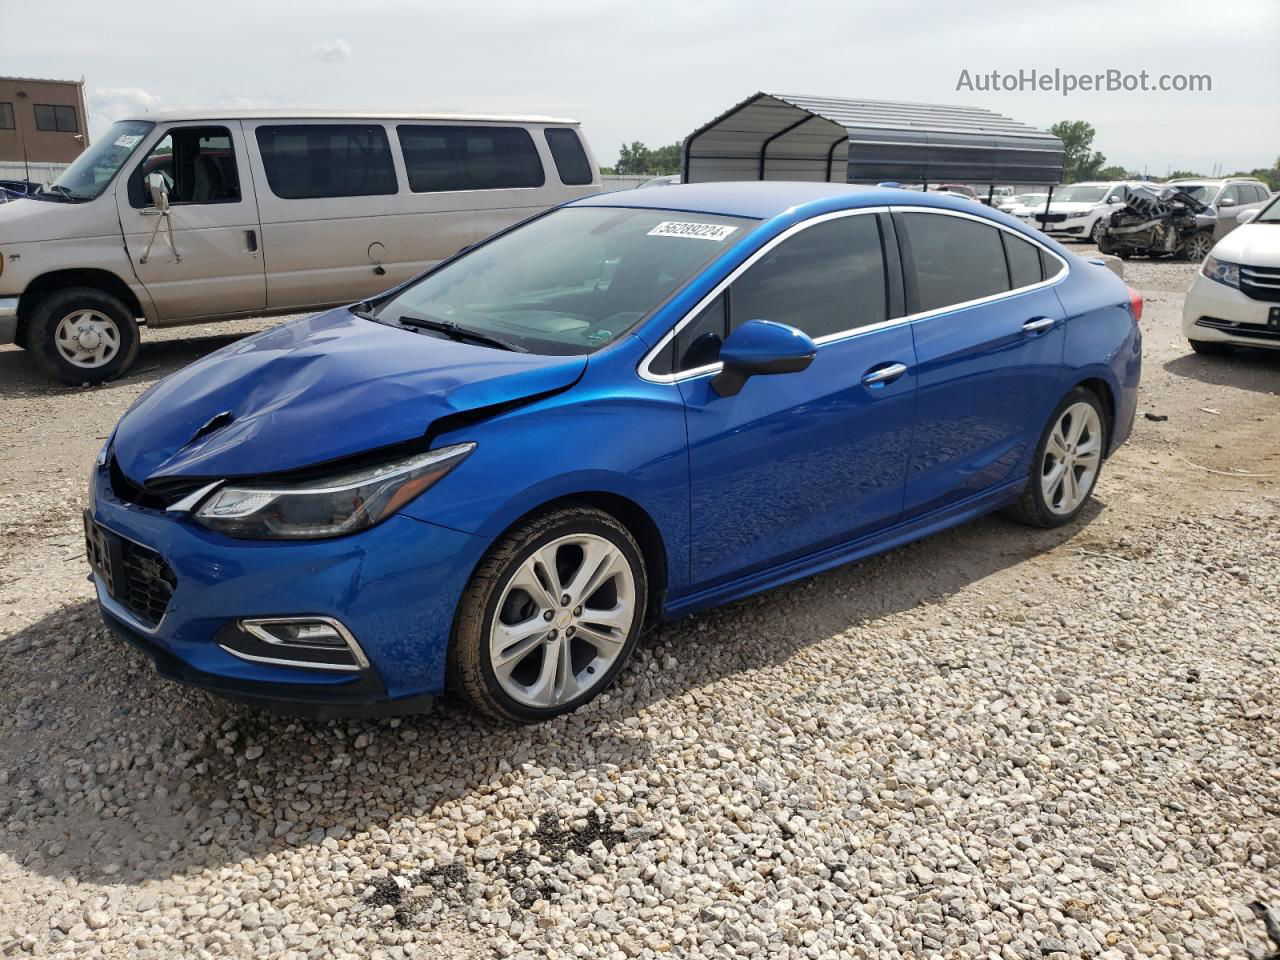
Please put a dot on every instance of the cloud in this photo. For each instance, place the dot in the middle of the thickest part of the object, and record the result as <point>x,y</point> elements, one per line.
<point>106,105</point>
<point>332,51</point>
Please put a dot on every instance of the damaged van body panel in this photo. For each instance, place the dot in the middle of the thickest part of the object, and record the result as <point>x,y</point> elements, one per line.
<point>346,384</point>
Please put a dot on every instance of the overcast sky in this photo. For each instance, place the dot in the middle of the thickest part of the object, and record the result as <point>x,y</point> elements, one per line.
<point>656,70</point>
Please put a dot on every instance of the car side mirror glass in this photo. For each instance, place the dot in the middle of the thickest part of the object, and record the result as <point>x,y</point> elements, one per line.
<point>761,348</point>
<point>159,192</point>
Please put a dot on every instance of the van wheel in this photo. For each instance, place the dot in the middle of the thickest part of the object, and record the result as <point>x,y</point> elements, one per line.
<point>1067,462</point>
<point>82,336</point>
<point>550,616</point>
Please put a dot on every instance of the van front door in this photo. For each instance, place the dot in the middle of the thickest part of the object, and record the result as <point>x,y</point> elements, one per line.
<point>214,267</point>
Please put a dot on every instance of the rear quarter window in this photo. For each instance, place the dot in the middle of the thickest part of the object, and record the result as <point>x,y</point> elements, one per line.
<point>310,161</point>
<point>569,156</point>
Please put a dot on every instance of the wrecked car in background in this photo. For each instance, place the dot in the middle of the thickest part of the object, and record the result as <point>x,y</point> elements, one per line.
<point>1159,221</point>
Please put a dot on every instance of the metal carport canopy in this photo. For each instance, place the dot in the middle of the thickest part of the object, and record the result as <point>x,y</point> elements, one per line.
<point>774,136</point>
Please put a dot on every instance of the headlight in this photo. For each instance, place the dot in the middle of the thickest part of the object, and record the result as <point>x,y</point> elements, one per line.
<point>1226,273</point>
<point>1077,216</point>
<point>98,464</point>
<point>331,507</point>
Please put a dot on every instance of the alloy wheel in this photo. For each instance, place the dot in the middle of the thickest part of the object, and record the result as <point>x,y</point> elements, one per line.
<point>562,620</point>
<point>1198,247</point>
<point>1096,233</point>
<point>87,338</point>
<point>1072,458</point>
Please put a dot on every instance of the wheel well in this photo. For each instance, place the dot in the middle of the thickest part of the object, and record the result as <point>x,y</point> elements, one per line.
<point>1100,389</point>
<point>47,283</point>
<point>641,526</point>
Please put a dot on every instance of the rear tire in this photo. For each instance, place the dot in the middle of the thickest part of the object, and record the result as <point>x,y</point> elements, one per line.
<point>1067,463</point>
<point>82,335</point>
<point>550,617</point>
<point>1210,348</point>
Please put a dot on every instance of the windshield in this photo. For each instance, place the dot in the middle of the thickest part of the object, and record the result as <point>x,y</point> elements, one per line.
<point>571,281</point>
<point>90,173</point>
<point>1079,194</point>
<point>1269,214</point>
<point>1204,192</point>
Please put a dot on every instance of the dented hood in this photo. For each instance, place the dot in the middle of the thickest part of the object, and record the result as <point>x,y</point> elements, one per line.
<point>316,390</point>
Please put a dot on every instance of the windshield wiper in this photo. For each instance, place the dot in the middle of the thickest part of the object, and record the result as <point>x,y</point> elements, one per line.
<point>458,332</point>
<point>64,194</point>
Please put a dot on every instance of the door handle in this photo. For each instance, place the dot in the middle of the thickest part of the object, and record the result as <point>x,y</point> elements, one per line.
<point>251,240</point>
<point>1037,324</point>
<point>882,376</point>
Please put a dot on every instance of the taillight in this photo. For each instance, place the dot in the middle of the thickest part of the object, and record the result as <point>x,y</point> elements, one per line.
<point>1135,304</point>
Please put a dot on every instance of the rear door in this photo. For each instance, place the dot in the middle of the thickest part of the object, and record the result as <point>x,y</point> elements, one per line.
<point>989,343</point>
<point>215,266</point>
<point>801,461</point>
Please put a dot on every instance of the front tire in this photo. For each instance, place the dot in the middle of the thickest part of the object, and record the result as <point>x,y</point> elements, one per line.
<point>82,335</point>
<point>1196,247</point>
<point>550,616</point>
<point>1210,348</point>
<point>1066,464</point>
<point>1095,235</point>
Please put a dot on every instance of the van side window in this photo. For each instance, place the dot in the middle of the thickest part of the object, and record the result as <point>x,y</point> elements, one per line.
<point>440,158</point>
<point>956,260</point>
<point>1024,260</point>
<point>197,164</point>
<point>571,159</point>
<point>309,161</point>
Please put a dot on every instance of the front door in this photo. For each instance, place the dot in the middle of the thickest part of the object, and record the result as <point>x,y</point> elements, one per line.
<point>989,371</point>
<point>797,462</point>
<point>215,265</point>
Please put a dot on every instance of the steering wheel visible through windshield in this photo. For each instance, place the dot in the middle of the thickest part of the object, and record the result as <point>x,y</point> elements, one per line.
<point>571,281</point>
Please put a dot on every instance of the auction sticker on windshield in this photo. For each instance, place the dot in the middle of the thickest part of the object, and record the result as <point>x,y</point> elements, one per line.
<point>697,231</point>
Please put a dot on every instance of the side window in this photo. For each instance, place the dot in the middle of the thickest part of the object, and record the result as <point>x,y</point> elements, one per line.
<point>6,115</point>
<point>1024,260</point>
<point>198,165</point>
<point>1259,194</point>
<point>698,344</point>
<point>571,159</point>
<point>826,279</point>
<point>956,260</point>
<point>307,161</point>
<point>56,117</point>
<point>1231,193</point>
<point>440,158</point>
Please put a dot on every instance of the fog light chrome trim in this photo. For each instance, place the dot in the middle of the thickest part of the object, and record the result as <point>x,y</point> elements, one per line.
<point>257,627</point>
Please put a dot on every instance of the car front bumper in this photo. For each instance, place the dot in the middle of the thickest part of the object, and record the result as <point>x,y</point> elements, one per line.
<point>394,587</point>
<point>8,319</point>
<point>1216,313</point>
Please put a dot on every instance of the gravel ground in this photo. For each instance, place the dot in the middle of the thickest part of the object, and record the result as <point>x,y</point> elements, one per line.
<point>998,742</point>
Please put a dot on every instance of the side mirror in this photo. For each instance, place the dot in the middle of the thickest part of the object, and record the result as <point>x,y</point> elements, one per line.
<point>1247,216</point>
<point>759,348</point>
<point>159,192</point>
<point>1226,202</point>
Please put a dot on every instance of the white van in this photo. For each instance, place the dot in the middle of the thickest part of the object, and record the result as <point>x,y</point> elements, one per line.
<point>192,217</point>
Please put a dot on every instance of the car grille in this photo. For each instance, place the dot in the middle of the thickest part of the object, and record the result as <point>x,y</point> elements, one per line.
<point>136,577</point>
<point>1240,329</point>
<point>1051,217</point>
<point>1260,283</point>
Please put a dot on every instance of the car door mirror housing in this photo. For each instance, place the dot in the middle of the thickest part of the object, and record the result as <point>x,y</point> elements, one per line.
<point>1226,202</point>
<point>158,191</point>
<point>758,348</point>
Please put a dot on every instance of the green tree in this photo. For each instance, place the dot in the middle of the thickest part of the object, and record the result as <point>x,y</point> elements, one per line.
<point>1081,161</point>
<point>635,158</point>
<point>1113,173</point>
<point>1184,175</point>
<point>1270,177</point>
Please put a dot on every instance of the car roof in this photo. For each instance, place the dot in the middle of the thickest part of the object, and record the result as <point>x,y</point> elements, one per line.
<point>167,116</point>
<point>765,199</point>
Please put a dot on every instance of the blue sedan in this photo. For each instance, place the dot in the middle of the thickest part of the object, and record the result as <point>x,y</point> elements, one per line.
<point>642,404</point>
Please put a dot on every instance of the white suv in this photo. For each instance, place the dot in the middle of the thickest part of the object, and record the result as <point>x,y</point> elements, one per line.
<point>1079,210</point>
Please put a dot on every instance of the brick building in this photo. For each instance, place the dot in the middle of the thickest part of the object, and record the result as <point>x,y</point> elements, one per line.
<point>42,121</point>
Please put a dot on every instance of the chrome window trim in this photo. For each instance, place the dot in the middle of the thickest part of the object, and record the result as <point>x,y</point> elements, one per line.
<point>646,374</point>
